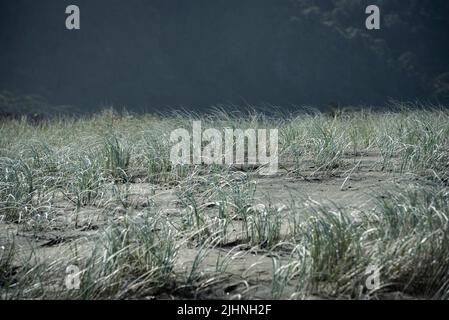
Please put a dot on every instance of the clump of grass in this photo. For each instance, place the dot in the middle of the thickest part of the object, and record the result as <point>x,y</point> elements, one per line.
<point>43,157</point>
<point>406,237</point>
<point>24,275</point>
<point>414,142</point>
<point>6,264</point>
<point>320,144</point>
<point>327,147</point>
<point>195,273</point>
<point>16,189</point>
<point>387,147</point>
<point>241,190</point>
<point>427,151</point>
<point>158,158</point>
<point>85,180</point>
<point>133,258</point>
<point>292,273</point>
<point>24,197</point>
<point>121,196</point>
<point>333,241</point>
<point>412,230</point>
<point>118,155</point>
<point>214,201</point>
<point>264,225</point>
<point>195,211</point>
<point>361,130</point>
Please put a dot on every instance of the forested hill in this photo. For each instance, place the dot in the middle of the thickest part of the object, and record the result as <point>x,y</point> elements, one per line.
<point>196,53</point>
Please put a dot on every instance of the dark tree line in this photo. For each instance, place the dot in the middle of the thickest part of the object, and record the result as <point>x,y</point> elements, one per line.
<point>154,53</point>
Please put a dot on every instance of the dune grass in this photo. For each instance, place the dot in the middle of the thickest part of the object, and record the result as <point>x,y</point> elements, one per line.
<point>314,249</point>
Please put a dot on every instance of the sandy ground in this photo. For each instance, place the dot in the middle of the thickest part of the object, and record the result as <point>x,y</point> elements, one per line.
<point>250,273</point>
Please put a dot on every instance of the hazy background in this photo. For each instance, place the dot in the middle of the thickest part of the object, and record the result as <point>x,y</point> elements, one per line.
<point>157,54</point>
